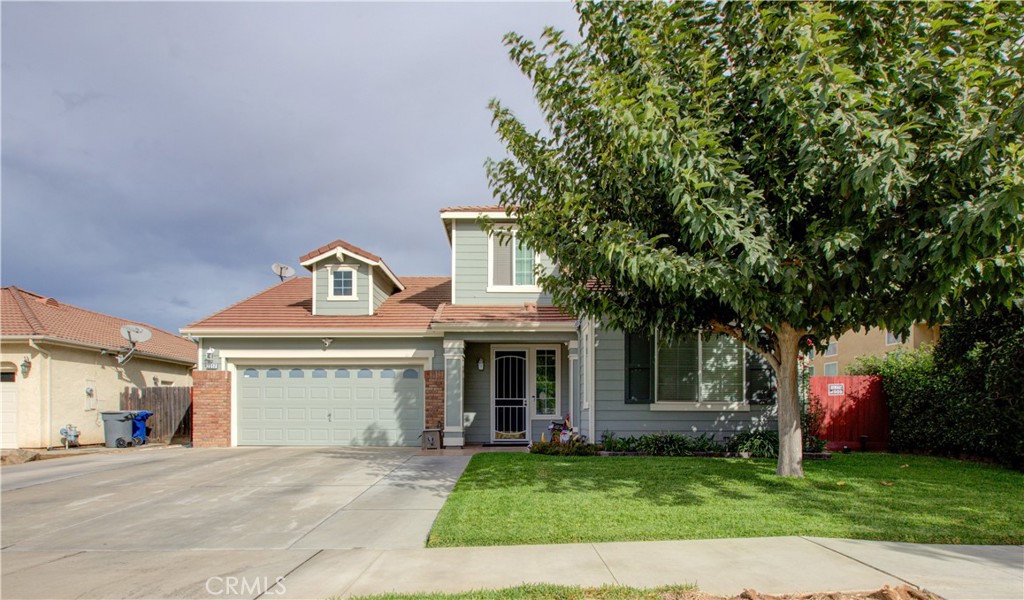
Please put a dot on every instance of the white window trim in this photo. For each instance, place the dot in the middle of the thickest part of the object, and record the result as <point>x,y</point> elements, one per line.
<point>700,405</point>
<point>331,269</point>
<point>824,368</point>
<point>832,344</point>
<point>897,341</point>
<point>504,289</point>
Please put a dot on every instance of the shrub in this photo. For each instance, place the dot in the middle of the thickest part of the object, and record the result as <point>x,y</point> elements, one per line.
<point>963,398</point>
<point>812,418</point>
<point>570,448</point>
<point>759,443</point>
<point>661,444</point>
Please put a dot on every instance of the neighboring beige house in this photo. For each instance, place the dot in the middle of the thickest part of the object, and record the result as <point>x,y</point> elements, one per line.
<point>59,365</point>
<point>844,351</point>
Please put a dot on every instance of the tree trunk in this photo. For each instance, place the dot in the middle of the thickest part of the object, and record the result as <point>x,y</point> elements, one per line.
<point>791,444</point>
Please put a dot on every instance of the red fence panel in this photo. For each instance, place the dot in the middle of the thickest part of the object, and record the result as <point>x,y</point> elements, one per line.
<point>854,406</point>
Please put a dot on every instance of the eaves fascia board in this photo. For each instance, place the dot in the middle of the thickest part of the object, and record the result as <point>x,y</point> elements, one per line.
<point>52,341</point>
<point>464,214</point>
<point>310,333</point>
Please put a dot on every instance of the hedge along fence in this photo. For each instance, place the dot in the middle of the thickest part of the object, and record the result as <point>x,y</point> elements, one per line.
<point>964,398</point>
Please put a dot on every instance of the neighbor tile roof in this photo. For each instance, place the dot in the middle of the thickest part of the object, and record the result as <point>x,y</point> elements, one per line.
<point>289,305</point>
<point>24,314</point>
<point>344,246</point>
<point>475,313</point>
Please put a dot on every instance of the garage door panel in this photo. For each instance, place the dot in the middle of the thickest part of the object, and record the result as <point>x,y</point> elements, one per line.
<point>342,405</point>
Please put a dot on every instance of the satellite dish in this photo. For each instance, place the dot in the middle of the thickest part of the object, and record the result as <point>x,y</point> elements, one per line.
<point>135,334</point>
<point>282,271</point>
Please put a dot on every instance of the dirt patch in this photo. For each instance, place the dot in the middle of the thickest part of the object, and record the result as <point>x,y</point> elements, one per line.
<point>16,457</point>
<point>902,592</point>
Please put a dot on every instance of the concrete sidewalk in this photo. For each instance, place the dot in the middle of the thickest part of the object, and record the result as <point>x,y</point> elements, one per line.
<point>726,567</point>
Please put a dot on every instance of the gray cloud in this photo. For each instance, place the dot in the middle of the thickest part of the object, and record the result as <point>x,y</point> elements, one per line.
<point>158,157</point>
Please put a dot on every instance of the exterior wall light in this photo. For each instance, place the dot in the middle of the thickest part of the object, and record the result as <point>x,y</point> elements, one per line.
<point>480,365</point>
<point>26,366</point>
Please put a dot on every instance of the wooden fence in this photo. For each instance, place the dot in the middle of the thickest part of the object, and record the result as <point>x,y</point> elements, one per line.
<point>171,408</point>
<point>854,406</point>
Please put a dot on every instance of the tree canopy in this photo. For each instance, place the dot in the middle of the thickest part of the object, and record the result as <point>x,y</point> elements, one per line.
<point>773,170</point>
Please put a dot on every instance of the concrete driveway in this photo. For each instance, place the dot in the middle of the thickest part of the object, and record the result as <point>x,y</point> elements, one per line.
<point>163,522</point>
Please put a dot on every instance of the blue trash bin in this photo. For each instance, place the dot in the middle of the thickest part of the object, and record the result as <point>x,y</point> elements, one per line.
<point>139,426</point>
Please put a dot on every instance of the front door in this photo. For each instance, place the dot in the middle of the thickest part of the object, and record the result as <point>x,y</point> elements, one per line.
<point>510,374</point>
<point>526,387</point>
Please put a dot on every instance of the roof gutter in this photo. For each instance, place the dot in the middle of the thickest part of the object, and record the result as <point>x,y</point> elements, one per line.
<point>307,333</point>
<point>102,349</point>
<point>504,326</point>
<point>49,391</point>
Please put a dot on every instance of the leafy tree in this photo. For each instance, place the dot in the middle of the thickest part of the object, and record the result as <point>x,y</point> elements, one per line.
<point>773,171</point>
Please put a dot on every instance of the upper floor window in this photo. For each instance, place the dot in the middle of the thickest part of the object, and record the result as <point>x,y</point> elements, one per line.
<point>891,339</point>
<point>511,263</point>
<point>342,283</point>
<point>833,349</point>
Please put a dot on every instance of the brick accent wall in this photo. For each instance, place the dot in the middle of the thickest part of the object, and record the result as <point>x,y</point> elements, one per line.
<point>211,409</point>
<point>433,415</point>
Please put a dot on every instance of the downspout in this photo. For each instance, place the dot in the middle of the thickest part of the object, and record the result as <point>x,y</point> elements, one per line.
<point>49,391</point>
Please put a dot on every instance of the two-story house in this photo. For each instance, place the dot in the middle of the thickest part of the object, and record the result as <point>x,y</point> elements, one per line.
<point>355,355</point>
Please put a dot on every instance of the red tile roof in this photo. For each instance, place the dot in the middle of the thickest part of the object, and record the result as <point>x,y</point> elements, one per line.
<point>24,314</point>
<point>344,246</point>
<point>289,305</point>
<point>519,314</point>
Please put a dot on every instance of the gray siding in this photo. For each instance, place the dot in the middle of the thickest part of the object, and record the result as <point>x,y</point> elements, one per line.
<point>477,395</point>
<point>382,287</point>
<point>369,345</point>
<point>325,306</point>
<point>614,415</point>
<point>471,254</point>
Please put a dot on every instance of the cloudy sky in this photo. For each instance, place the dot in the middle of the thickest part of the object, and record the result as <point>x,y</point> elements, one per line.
<point>159,157</point>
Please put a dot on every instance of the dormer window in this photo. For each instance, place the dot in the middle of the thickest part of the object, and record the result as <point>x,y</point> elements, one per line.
<point>511,264</point>
<point>343,283</point>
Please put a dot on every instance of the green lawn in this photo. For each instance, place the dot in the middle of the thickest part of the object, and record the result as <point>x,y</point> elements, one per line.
<point>512,498</point>
<point>548,592</point>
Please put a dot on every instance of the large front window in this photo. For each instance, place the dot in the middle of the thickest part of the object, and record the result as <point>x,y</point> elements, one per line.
<point>702,368</point>
<point>699,371</point>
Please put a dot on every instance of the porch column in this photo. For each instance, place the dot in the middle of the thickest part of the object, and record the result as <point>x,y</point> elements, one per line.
<point>454,363</point>
<point>574,385</point>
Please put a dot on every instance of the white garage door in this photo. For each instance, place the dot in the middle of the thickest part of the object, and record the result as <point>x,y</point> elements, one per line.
<point>330,406</point>
<point>8,415</point>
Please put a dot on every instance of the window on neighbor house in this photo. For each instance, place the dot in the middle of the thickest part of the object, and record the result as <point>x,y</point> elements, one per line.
<point>6,376</point>
<point>891,339</point>
<point>512,264</point>
<point>831,369</point>
<point>833,349</point>
<point>343,283</point>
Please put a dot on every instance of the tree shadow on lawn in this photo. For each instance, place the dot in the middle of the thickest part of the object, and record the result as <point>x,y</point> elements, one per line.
<point>882,497</point>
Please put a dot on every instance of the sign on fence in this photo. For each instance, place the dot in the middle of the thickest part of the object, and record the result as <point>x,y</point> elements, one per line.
<point>836,389</point>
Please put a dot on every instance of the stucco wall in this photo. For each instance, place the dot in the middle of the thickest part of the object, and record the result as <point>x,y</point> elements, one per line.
<point>872,342</point>
<point>73,371</point>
